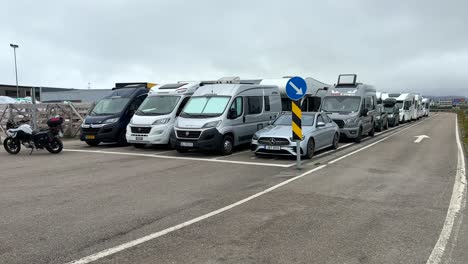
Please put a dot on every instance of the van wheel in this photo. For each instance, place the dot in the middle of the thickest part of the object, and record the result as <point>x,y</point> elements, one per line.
<point>92,143</point>
<point>386,125</point>
<point>310,149</point>
<point>227,145</point>
<point>122,140</point>
<point>372,132</point>
<point>336,140</point>
<point>379,128</point>
<point>358,139</point>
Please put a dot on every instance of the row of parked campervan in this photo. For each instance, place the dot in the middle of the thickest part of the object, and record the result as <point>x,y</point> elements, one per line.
<point>218,115</point>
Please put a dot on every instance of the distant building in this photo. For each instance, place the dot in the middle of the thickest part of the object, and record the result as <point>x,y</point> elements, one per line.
<point>76,96</point>
<point>445,103</point>
<point>26,91</point>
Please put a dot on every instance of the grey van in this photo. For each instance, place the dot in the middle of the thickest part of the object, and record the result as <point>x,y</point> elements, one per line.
<point>352,106</point>
<point>223,115</point>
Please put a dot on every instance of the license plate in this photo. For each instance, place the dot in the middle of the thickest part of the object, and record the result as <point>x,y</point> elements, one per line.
<point>90,137</point>
<point>186,144</point>
<point>273,147</point>
<point>139,138</point>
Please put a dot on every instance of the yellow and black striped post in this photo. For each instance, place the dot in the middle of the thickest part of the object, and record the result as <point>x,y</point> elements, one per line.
<point>297,129</point>
<point>296,120</point>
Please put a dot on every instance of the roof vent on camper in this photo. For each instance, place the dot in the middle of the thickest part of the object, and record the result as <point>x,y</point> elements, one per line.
<point>229,80</point>
<point>346,80</point>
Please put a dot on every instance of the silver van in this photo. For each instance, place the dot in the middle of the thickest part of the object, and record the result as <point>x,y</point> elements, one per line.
<point>352,106</point>
<point>226,114</point>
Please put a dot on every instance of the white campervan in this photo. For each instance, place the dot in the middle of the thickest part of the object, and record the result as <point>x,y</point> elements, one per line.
<point>406,103</point>
<point>418,106</point>
<point>153,122</point>
<point>426,102</point>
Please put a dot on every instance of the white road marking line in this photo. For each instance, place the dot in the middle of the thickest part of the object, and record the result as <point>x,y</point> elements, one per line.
<point>234,154</point>
<point>180,158</point>
<point>333,150</point>
<point>130,244</point>
<point>149,237</point>
<point>457,204</point>
<point>376,142</point>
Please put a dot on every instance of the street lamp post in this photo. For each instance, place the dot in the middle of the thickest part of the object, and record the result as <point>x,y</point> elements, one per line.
<point>14,46</point>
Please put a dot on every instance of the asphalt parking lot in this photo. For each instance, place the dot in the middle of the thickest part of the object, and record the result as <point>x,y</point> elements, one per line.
<point>382,201</point>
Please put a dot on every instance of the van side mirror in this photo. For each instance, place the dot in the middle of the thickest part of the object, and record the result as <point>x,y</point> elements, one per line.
<point>364,112</point>
<point>320,124</point>
<point>232,114</point>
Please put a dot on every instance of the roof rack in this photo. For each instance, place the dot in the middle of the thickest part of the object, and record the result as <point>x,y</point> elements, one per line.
<point>134,85</point>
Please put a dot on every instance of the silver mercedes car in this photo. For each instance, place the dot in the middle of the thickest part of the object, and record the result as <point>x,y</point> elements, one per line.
<point>319,132</point>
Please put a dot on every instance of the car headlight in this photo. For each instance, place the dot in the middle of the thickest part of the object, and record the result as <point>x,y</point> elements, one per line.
<point>111,120</point>
<point>351,121</point>
<point>161,121</point>
<point>255,136</point>
<point>83,125</point>
<point>212,124</point>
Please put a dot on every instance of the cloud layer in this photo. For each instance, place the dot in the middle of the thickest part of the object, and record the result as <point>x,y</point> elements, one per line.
<point>406,45</point>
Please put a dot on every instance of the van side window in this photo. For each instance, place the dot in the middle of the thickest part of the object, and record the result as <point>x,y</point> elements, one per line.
<point>237,106</point>
<point>267,103</point>
<point>254,105</point>
<point>368,103</point>
<point>182,104</point>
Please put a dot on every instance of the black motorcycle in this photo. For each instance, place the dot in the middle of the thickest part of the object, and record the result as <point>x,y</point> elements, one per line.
<point>21,133</point>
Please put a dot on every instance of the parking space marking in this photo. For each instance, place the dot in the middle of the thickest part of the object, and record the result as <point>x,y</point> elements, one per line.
<point>133,243</point>
<point>457,203</point>
<point>181,158</point>
<point>234,154</point>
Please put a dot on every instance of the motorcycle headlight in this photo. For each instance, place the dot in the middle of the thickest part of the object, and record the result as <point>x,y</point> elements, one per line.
<point>161,121</point>
<point>111,120</point>
<point>212,124</point>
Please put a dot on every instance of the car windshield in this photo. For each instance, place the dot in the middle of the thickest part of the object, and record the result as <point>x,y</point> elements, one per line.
<point>158,105</point>
<point>341,104</point>
<point>109,106</point>
<point>205,106</point>
<point>286,120</point>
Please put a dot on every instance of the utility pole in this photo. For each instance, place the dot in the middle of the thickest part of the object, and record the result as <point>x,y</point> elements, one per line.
<point>14,46</point>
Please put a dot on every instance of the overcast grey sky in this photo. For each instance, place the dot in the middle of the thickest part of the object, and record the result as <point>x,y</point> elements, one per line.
<point>418,46</point>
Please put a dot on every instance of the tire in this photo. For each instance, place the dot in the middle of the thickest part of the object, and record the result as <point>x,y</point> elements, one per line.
<point>386,125</point>
<point>310,149</point>
<point>12,145</point>
<point>55,146</point>
<point>122,140</point>
<point>358,139</point>
<point>92,143</point>
<point>139,146</point>
<point>336,140</point>
<point>379,128</point>
<point>372,132</point>
<point>227,145</point>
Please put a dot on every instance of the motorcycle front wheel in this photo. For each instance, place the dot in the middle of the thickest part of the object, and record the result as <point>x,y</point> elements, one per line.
<point>12,145</point>
<point>55,146</point>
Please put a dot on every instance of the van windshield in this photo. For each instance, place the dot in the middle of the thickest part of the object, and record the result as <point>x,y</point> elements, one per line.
<point>158,105</point>
<point>205,106</point>
<point>338,104</point>
<point>109,106</point>
<point>286,120</point>
<point>399,104</point>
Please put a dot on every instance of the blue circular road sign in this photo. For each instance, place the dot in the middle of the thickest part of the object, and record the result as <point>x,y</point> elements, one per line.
<point>296,88</point>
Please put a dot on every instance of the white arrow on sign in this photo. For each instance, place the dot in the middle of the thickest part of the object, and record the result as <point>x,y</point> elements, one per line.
<point>420,138</point>
<point>298,90</point>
